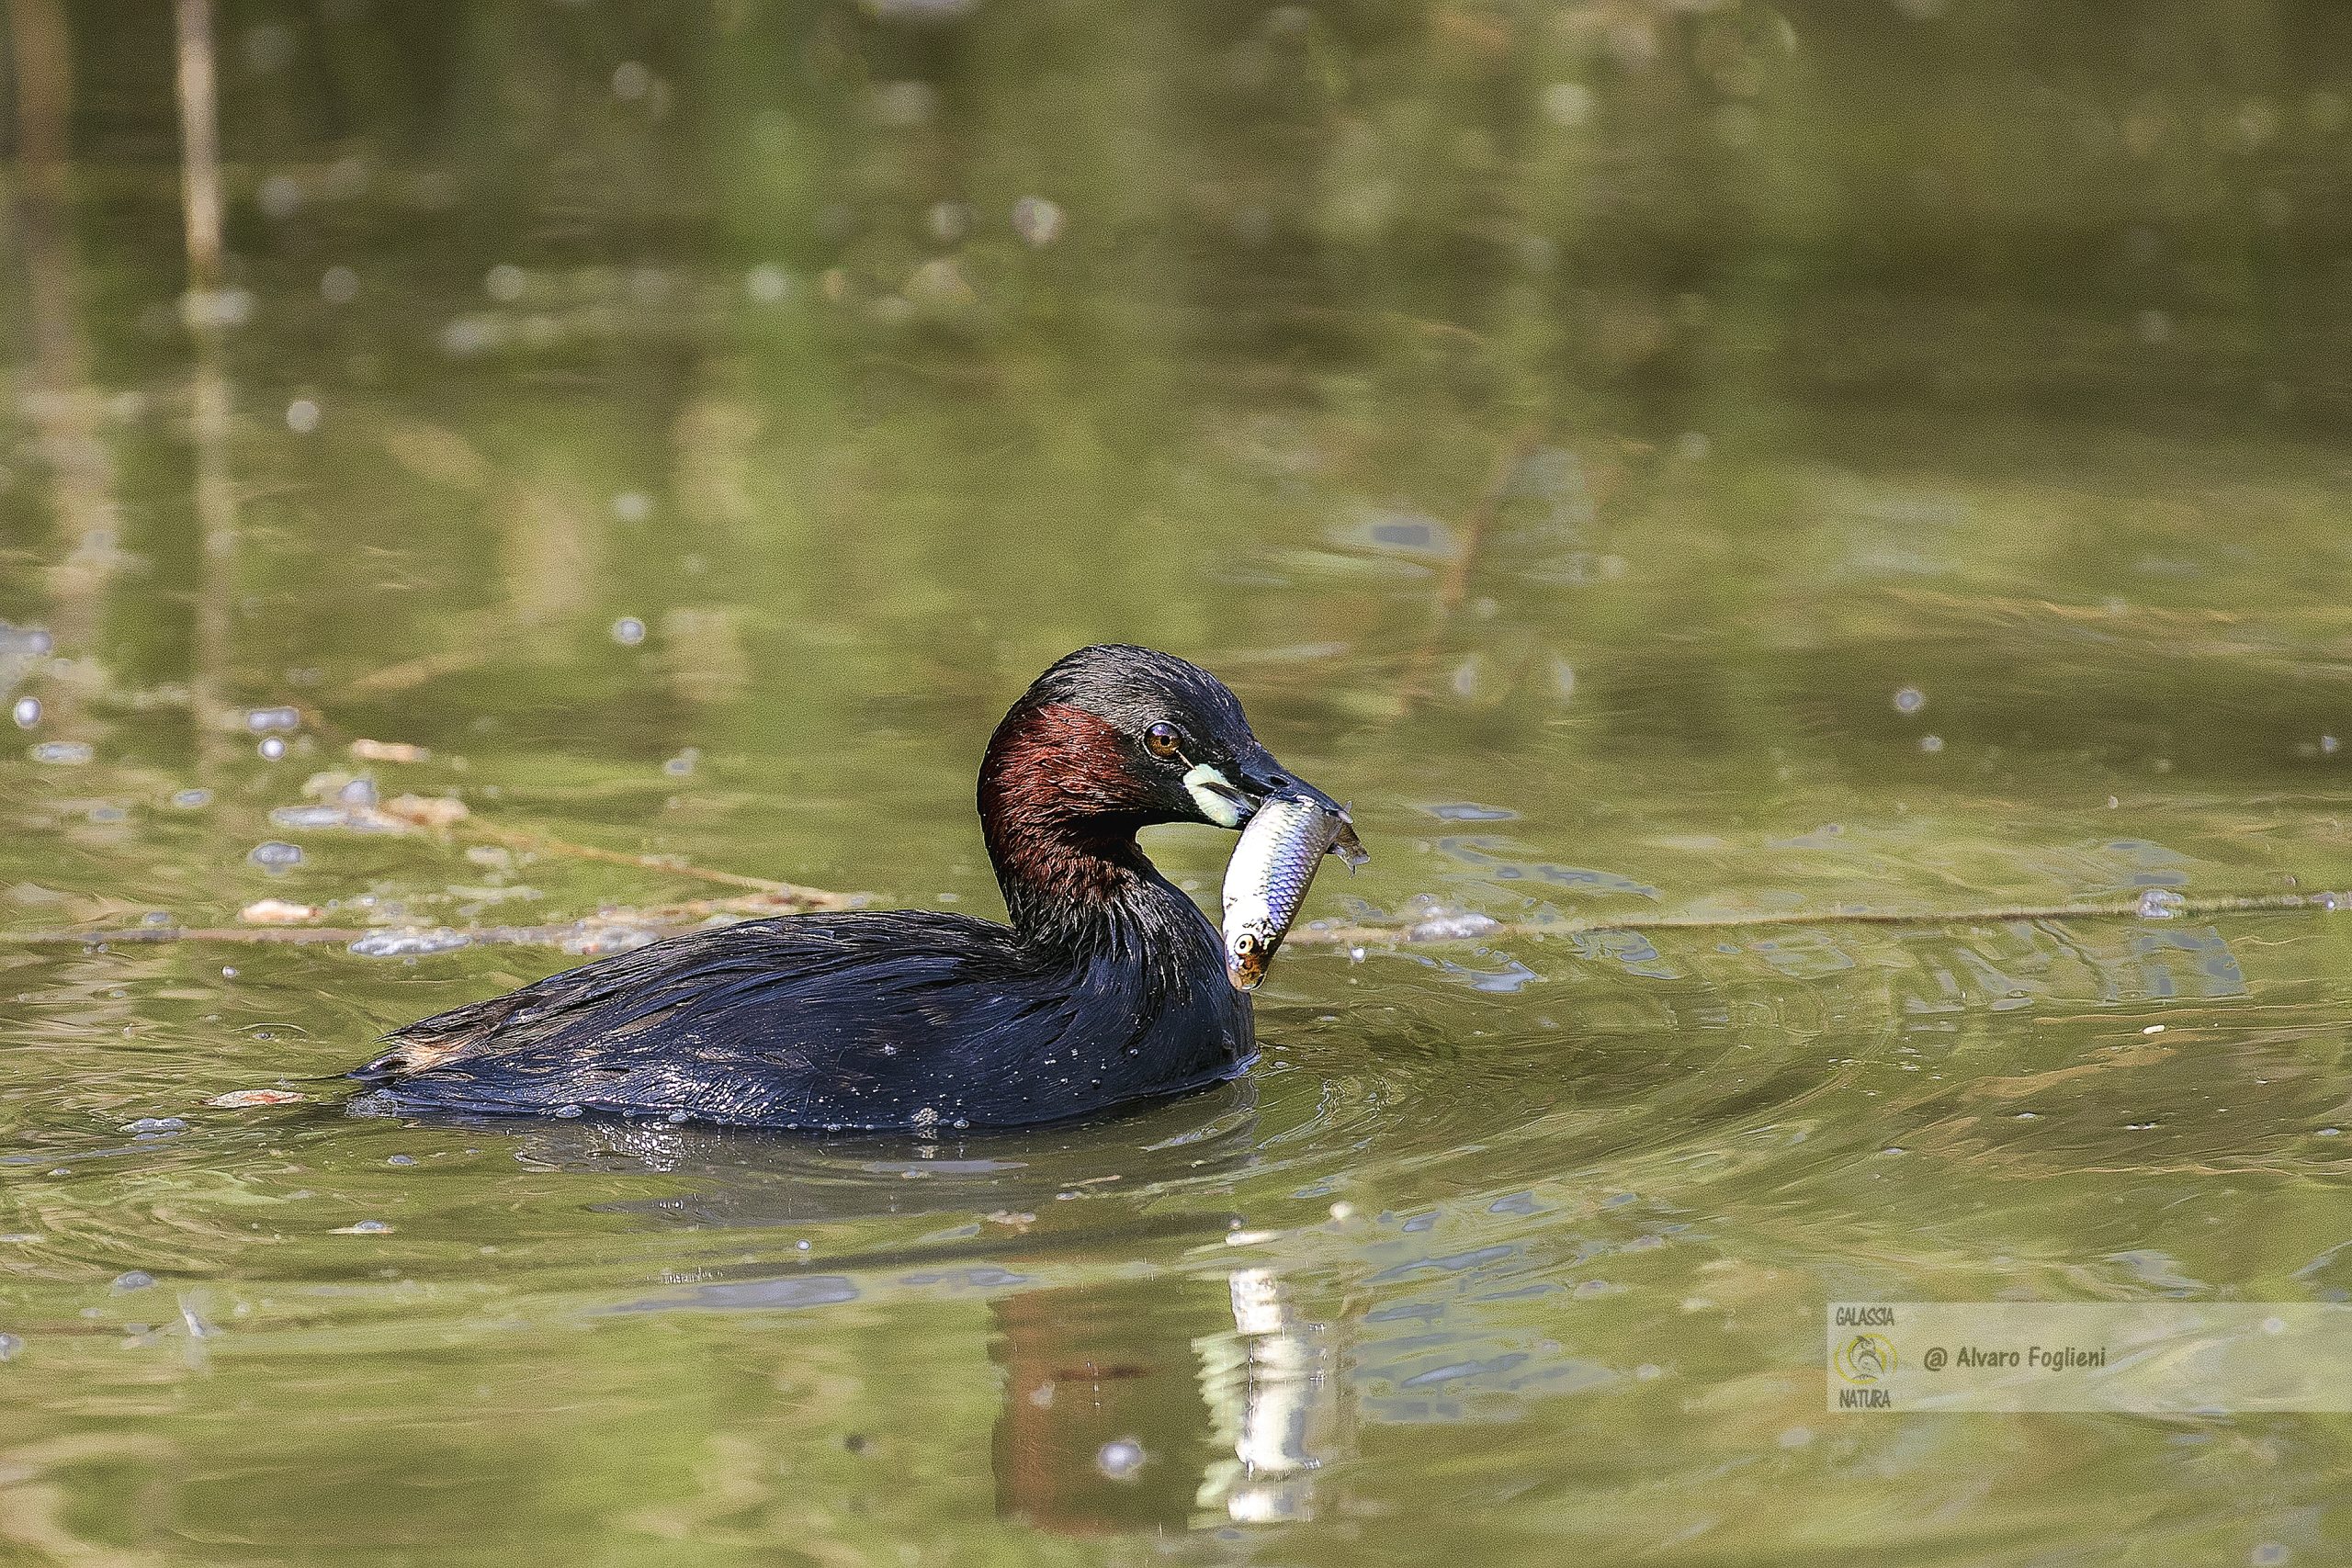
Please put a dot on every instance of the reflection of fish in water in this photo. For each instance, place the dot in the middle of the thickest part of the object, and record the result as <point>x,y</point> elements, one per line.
<point>1272,868</point>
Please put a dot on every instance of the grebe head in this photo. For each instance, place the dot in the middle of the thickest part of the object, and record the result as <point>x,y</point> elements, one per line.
<point>1112,739</point>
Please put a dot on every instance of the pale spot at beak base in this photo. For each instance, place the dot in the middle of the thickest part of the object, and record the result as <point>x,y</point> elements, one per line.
<point>1203,784</point>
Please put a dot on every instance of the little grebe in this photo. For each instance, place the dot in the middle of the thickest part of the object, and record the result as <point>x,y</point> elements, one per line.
<point>1108,986</point>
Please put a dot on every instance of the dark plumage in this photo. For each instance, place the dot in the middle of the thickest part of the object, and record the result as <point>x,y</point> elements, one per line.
<point>1109,984</point>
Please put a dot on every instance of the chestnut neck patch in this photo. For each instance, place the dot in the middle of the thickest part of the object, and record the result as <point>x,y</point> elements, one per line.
<point>1059,809</point>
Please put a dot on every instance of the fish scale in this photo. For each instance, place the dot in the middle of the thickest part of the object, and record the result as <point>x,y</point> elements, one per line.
<point>1266,881</point>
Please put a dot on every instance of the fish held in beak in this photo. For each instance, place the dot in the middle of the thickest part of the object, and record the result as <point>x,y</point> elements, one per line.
<point>1272,867</point>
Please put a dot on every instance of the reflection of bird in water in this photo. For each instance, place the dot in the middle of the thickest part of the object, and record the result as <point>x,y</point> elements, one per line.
<point>1130,1401</point>
<point>1144,1403</point>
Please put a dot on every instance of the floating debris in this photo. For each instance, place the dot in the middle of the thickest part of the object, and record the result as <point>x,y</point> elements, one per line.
<point>63,754</point>
<point>2161,904</point>
<point>10,1346</point>
<point>239,1098</point>
<point>425,811</point>
<point>156,1124</point>
<point>133,1279</point>
<point>275,854</point>
<point>310,817</point>
<point>278,912</point>
<point>592,938</point>
<point>388,752</point>
<point>410,942</point>
<point>1453,925</point>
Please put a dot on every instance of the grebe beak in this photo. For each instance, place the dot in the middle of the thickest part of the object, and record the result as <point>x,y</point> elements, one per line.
<point>1231,805</point>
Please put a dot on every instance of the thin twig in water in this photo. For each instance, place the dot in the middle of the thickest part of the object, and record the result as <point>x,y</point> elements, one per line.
<point>1480,928</point>
<point>1432,931</point>
<point>535,843</point>
<point>1454,586</point>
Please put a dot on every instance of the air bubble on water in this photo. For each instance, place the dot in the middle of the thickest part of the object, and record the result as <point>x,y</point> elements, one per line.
<point>506,283</point>
<point>1931,744</point>
<point>156,1124</point>
<point>948,221</point>
<point>631,81</point>
<point>359,795</point>
<point>192,799</point>
<point>768,284</point>
<point>1037,220</point>
<point>1120,1458</point>
<point>1909,699</point>
<point>27,713</point>
<point>302,416</point>
<point>2329,745</point>
<point>904,105</point>
<point>466,335</point>
<point>678,1118</point>
<point>682,764</point>
<point>63,754</point>
<point>632,506</point>
<point>2154,328</point>
<point>135,1279</point>
<point>399,1159</point>
<point>280,195</point>
<point>275,854</point>
<point>571,1112</point>
<point>272,749</point>
<point>338,284</point>
<point>10,1346</point>
<point>365,1227</point>
<point>1567,103</point>
<point>2161,904</point>
<point>260,721</point>
<point>2269,1554</point>
<point>629,631</point>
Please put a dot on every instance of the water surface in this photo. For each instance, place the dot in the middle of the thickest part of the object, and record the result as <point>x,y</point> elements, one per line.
<point>1656,461</point>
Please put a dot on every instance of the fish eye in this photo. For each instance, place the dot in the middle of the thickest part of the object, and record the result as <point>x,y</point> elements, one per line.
<point>1245,945</point>
<point>1162,738</point>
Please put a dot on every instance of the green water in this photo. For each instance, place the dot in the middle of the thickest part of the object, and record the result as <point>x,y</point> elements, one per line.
<point>1655,461</point>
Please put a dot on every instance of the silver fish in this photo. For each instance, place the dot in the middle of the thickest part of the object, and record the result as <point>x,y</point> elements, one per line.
<point>1267,879</point>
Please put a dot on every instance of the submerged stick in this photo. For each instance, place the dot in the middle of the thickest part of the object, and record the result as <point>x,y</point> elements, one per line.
<point>1478,928</point>
<point>1428,932</point>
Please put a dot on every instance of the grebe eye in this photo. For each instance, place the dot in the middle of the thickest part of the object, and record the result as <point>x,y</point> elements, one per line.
<point>1162,738</point>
